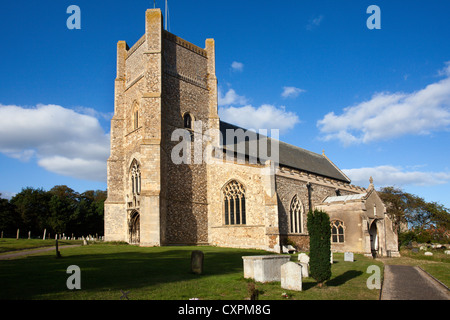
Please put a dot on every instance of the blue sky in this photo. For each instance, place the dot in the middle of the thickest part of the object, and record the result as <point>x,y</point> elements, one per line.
<point>377,101</point>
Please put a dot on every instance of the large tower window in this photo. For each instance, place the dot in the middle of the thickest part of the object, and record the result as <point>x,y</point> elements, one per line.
<point>135,178</point>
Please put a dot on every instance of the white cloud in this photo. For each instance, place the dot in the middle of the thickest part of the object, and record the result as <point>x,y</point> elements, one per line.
<point>314,22</point>
<point>391,115</point>
<point>265,117</point>
<point>237,66</point>
<point>446,70</point>
<point>62,140</point>
<point>230,98</point>
<point>94,113</point>
<point>87,169</point>
<point>291,92</point>
<point>396,176</point>
<point>7,195</point>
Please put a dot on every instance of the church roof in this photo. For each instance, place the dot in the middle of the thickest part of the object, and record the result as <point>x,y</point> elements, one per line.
<point>345,198</point>
<point>290,156</point>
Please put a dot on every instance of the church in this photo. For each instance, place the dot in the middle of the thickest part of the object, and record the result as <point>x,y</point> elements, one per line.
<point>166,85</point>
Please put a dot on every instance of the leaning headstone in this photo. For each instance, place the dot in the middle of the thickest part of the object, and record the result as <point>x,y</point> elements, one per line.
<point>303,260</point>
<point>305,269</point>
<point>291,276</point>
<point>447,251</point>
<point>348,256</point>
<point>428,253</point>
<point>197,261</point>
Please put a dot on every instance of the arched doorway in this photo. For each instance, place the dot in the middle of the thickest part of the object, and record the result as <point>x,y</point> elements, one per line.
<point>134,227</point>
<point>373,232</point>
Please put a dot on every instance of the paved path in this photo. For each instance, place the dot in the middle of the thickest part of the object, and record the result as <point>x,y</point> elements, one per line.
<point>16,254</point>
<point>411,283</point>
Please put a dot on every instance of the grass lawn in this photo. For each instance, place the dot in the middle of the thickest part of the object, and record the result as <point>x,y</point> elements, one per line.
<point>163,273</point>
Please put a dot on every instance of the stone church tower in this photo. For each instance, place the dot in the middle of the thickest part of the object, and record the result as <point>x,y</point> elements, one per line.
<point>163,83</point>
<point>166,85</point>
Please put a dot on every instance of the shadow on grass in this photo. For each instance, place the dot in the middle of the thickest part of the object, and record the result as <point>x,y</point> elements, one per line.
<point>343,278</point>
<point>112,269</point>
<point>335,282</point>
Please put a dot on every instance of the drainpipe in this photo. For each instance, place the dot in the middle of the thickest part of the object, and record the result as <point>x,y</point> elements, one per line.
<point>308,186</point>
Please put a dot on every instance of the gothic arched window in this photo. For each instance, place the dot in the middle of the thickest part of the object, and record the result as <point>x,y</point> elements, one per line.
<point>136,119</point>
<point>135,172</point>
<point>187,121</point>
<point>234,203</point>
<point>296,215</point>
<point>135,116</point>
<point>337,231</point>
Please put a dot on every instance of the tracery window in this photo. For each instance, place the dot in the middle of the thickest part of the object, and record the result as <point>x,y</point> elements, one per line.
<point>296,215</point>
<point>135,178</point>
<point>234,203</point>
<point>337,231</point>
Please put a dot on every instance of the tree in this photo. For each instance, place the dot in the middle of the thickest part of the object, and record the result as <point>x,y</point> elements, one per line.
<point>9,219</point>
<point>396,202</point>
<point>89,212</point>
<point>424,218</point>
<point>319,229</point>
<point>62,207</point>
<point>32,207</point>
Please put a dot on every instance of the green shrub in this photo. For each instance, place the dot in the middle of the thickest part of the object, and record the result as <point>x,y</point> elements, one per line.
<point>405,238</point>
<point>320,245</point>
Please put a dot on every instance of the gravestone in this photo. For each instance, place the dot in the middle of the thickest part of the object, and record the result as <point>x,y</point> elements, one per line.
<point>291,276</point>
<point>303,257</point>
<point>197,261</point>
<point>331,257</point>
<point>348,256</point>
<point>264,268</point>
<point>305,269</point>
<point>415,250</point>
<point>428,253</point>
<point>303,260</point>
